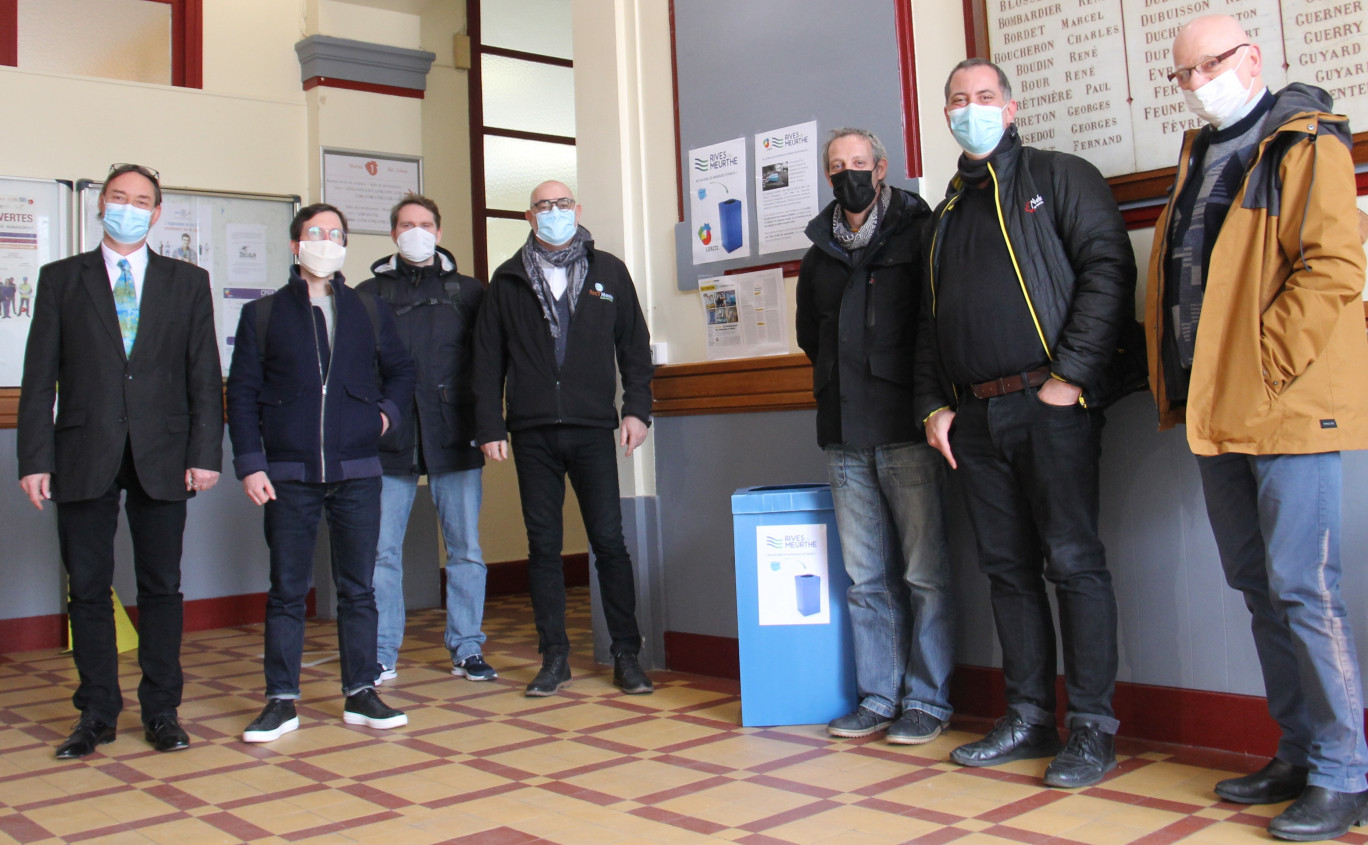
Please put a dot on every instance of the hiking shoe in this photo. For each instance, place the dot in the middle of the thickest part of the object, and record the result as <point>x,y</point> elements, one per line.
<point>275,721</point>
<point>554,674</point>
<point>366,708</point>
<point>860,723</point>
<point>628,676</point>
<point>473,668</point>
<point>915,727</point>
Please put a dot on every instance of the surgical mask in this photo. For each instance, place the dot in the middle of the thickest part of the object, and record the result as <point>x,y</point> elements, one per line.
<point>126,224</point>
<point>416,245</point>
<point>854,189</point>
<point>977,128</point>
<point>1221,98</point>
<point>322,258</point>
<point>556,227</point>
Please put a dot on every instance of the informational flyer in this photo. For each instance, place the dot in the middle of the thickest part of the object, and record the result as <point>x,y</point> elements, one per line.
<point>247,279</point>
<point>792,580</point>
<point>230,312</point>
<point>176,233</point>
<point>24,236</point>
<point>786,174</point>
<point>744,314</point>
<point>717,201</point>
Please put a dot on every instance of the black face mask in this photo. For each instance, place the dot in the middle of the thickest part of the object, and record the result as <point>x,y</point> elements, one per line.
<point>854,189</point>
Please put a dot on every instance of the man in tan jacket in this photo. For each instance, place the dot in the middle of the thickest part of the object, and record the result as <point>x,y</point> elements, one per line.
<point>1256,341</point>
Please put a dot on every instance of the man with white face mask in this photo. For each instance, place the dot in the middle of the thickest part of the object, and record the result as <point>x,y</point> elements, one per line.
<point>1257,344</point>
<point>434,310</point>
<point>129,337</point>
<point>560,321</point>
<point>318,374</point>
<point>1031,284</point>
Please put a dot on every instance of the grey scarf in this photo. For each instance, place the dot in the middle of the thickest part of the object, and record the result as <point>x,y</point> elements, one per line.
<point>571,257</point>
<point>859,240</point>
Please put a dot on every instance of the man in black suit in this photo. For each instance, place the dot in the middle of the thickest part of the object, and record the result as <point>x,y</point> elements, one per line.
<point>129,336</point>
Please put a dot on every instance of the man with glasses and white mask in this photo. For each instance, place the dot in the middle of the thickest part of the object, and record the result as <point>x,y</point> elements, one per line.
<point>129,337</point>
<point>318,375</point>
<point>1257,344</point>
<point>434,310</point>
<point>557,317</point>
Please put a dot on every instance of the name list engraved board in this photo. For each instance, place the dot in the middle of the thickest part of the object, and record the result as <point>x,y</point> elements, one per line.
<point>1090,76</point>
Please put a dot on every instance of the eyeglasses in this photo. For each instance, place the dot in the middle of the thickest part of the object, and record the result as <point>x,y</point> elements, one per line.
<point>121,169</point>
<point>1206,67</point>
<point>564,204</point>
<point>318,233</point>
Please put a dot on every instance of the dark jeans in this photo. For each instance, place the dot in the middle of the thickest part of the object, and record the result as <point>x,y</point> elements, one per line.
<point>544,456</point>
<point>85,530</point>
<point>1030,482</point>
<point>353,510</point>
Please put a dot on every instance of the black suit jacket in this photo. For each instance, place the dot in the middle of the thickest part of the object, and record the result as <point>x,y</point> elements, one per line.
<point>166,399</point>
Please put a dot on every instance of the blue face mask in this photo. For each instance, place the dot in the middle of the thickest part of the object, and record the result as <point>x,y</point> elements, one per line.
<point>556,227</point>
<point>126,224</point>
<point>977,128</point>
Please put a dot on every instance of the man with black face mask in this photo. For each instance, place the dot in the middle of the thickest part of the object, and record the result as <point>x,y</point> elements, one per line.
<point>859,291</point>
<point>1032,280</point>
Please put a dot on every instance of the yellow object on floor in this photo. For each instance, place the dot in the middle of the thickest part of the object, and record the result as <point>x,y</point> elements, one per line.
<point>125,634</point>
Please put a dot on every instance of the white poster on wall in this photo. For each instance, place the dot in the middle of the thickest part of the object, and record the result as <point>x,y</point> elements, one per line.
<point>791,574</point>
<point>786,174</point>
<point>717,201</point>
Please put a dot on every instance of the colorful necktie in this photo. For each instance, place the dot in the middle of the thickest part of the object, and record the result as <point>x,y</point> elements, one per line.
<point>126,305</point>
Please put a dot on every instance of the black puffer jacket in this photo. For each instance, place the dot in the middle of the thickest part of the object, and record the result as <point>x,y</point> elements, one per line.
<point>434,309</point>
<point>1076,267</point>
<point>857,322</point>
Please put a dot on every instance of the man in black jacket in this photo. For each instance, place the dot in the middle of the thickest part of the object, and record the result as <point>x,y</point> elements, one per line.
<point>434,310</point>
<point>859,292</point>
<point>557,317</point>
<point>1032,279</point>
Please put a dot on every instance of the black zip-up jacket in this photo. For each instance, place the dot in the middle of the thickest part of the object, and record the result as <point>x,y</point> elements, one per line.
<point>1075,266</point>
<point>857,322</point>
<point>437,432</point>
<point>515,353</point>
<point>285,417</point>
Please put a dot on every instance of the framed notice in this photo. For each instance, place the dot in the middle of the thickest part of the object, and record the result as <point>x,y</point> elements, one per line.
<point>367,185</point>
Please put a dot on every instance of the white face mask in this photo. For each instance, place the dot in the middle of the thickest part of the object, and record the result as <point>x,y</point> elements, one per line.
<point>1221,98</point>
<point>416,245</point>
<point>322,258</point>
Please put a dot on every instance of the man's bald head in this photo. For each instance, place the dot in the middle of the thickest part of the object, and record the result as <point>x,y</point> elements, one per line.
<point>550,190</point>
<point>1205,37</point>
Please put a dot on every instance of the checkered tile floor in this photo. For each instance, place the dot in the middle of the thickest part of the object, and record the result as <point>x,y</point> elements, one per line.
<point>480,763</point>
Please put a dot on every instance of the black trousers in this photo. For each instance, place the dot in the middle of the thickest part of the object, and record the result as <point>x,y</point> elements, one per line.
<point>544,456</point>
<point>85,530</point>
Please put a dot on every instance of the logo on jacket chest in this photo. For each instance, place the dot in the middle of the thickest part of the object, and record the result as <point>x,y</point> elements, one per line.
<point>1033,203</point>
<point>597,290</point>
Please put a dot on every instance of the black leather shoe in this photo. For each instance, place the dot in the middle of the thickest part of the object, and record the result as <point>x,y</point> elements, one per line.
<point>88,733</point>
<point>165,733</point>
<point>1011,739</point>
<point>554,674</point>
<point>1088,756</point>
<point>1320,813</point>
<point>628,675</point>
<point>1274,783</point>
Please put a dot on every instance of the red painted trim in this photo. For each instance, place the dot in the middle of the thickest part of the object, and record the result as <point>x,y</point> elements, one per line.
<point>907,73</point>
<point>187,26</point>
<point>509,577</point>
<point>976,29</point>
<point>9,32</point>
<point>31,633</point>
<point>526,57</point>
<point>789,268</point>
<point>674,87</point>
<point>1142,217</point>
<point>1361,182</point>
<point>702,654</point>
<point>369,87</point>
<point>475,91</point>
<point>568,140</point>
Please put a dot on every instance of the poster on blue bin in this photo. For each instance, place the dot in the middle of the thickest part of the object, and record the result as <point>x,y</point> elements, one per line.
<point>791,574</point>
<point>717,201</point>
<point>786,186</point>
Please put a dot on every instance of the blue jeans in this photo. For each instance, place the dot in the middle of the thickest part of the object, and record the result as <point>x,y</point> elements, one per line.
<point>457,497</point>
<point>1277,524</point>
<point>353,510</point>
<point>891,519</point>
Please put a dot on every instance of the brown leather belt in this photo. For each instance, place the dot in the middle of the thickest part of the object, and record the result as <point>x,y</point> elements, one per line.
<point>1011,384</point>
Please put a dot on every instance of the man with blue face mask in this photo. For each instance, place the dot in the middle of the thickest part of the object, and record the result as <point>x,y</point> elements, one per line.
<point>1257,344</point>
<point>1031,284</point>
<point>558,316</point>
<point>129,336</point>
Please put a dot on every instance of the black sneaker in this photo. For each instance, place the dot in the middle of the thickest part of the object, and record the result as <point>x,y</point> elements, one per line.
<point>915,727</point>
<point>1012,738</point>
<point>554,674</point>
<point>473,668</point>
<point>1089,754</point>
<point>860,723</point>
<point>628,676</point>
<point>275,721</point>
<point>366,708</point>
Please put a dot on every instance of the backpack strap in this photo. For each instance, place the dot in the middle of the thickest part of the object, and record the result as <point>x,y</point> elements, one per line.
<point>263,324</point>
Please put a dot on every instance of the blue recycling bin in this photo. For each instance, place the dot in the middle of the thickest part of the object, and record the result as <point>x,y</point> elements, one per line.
<point>797,661</point>
<point>729,214</point>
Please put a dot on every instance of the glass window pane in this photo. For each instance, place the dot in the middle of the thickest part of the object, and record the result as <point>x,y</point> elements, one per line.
<point>532,26</point>
<point>113,39</point>
<point>528,96</point>
<point>513,167</point>
<point>504,238</point>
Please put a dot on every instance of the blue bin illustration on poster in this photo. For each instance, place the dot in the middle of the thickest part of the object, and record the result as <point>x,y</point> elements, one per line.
<point>809,590</point>
<point>729,212</point>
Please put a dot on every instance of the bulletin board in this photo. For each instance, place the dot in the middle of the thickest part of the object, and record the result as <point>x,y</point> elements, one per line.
<point>35,229</point>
